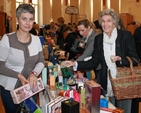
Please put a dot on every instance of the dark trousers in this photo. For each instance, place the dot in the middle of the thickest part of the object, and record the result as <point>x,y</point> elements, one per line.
<point>135,105</point>
<point>7,101</point>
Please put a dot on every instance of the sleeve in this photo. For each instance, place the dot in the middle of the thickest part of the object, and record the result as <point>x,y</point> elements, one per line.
<point>95,60</point>
<point>129,49</point>
<point>88,50</point>
<point>41,62</point>
<point>136,34</point>
<point>4,50</point>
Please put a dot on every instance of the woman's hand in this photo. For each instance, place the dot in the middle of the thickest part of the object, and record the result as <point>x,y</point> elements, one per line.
<point>32,80</point>
<point>22,79</point>
<point>80,74</point>
<point>115,58</point>
<point>68,63</point>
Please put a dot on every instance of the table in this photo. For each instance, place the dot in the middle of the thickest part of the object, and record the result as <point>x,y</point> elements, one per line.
<point>43,103</point>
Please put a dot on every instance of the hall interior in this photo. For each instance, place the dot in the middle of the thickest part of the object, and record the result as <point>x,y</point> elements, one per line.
<point>50,10</point>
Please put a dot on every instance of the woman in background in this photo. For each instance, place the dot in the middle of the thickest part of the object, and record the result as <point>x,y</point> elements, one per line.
<point>86,30</point>
<point>60,38</point>
<point>69,36</point>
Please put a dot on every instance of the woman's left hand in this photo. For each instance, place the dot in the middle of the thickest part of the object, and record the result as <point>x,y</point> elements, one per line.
<point>115,58</point>
<point>32,80</point>
<point>68,63</point>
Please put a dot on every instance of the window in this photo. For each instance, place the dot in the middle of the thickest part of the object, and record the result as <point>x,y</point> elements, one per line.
<point>19,0</point>
<point>34,4</point>
<point>35,1</point>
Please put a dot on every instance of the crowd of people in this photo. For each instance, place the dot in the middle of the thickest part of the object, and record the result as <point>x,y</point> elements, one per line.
<point>101,45</point>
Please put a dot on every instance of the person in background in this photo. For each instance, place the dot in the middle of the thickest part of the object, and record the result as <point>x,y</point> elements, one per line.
<point>53,30</point>
<point>69,24</point>
<point>110,50</point>
<point>60,38</point>
<point>121,25</point>
<point>74,26</point>
<point>98,27</point>
<point>53,27</point>
<point>47,30</point>
<point>22,60</point>
<point>70,37</point>
<point>33,31</point>
<point>137,38</point>
<point>37,28</point>
<point>86,30</point>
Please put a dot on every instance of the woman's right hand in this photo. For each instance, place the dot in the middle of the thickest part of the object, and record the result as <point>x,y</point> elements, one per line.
<point>68,63</point>
<point>22,79</point>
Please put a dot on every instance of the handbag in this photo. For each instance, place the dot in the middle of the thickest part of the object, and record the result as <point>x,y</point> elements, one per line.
<point>128,84</point>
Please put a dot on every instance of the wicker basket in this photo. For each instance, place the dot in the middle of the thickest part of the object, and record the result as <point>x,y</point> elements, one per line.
<point>127,87</point>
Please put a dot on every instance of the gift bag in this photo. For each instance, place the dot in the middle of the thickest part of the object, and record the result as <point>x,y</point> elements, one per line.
<point>22,109</point>
<point>28,106</point>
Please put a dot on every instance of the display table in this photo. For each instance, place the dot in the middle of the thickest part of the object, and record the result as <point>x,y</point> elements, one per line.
<point>44,101</point>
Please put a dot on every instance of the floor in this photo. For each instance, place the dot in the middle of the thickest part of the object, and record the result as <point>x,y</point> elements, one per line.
<point>1,107</point>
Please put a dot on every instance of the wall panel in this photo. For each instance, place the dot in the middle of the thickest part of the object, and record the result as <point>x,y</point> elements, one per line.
<point>115,5</point>
<point>56,9</point>
<point>96,9</point>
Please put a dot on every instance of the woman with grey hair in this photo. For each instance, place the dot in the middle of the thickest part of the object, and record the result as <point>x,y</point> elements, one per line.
<point>22,58</point>
<point>110,50</point>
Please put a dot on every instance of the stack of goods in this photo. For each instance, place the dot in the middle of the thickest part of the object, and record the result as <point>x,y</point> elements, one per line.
<point>22,93</point>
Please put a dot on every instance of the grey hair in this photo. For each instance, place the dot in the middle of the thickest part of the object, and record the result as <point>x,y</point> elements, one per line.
<point>24,8</point>
<point>110,12</point>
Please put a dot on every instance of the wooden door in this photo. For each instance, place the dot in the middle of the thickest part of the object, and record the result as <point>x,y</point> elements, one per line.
<point>2,23</point>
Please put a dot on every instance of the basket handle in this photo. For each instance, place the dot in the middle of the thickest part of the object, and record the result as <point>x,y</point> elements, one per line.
<point>131,64</point>
<point>131,67</point>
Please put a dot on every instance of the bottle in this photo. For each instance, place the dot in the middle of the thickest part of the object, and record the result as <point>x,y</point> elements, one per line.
<point>50,73</point>
<point>107,98</point>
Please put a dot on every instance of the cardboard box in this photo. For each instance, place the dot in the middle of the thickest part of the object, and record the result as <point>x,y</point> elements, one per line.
<point>55,105</point>
<point>109,110</point>
<point>70,106</point>
<point>92,96</point>
<point>118,110</point>
<point>24,92</point>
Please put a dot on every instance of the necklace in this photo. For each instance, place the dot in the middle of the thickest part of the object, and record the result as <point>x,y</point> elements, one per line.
<point>23,39</point>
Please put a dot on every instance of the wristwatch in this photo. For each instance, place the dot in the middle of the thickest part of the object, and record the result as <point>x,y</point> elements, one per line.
<point>34,73</point>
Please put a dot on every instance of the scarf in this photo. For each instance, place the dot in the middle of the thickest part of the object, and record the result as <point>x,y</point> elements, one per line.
<point>109,49</point>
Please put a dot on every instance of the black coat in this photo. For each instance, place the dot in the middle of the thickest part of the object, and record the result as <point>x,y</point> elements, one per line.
<point>70,41</point>
<point>125,46</point>
<point>137,35</point>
